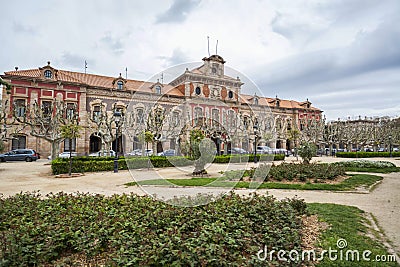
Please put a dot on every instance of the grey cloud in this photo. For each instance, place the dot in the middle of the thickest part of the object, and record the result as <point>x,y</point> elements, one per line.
<point>347,12</point>
<point>291,29</point>
<point>178,11</point>
<point>356,80</point>
<point>113,43</point>
<point>75,61</point>
<point>372,51</point>
<point>177,57</point>
<point>20,28</point>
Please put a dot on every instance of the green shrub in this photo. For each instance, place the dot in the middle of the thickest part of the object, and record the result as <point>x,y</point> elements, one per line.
<point>365,164</point>
<point>98,164</point>
<point>366,154</point>
<point>249,157</point>
<point>129,230</point>
<point>307,151</point>
<point>290,172</point>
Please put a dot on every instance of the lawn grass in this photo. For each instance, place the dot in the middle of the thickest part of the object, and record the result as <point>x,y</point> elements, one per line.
<point>353,182</point>
<point>347,223</point>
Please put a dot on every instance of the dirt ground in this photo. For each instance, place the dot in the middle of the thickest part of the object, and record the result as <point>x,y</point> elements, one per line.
<point>383,202</point>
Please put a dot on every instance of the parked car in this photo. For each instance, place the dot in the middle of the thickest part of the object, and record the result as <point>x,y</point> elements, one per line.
<point>395,149</point>
<point>147,152</point>
<point>237,150</point>
<point>167,153</point>
<point>103,153</point>
<point>66,154</point>
<point>134,152</point>
<point>281,151</point>
<point>138,152</point>
<point>19,154</point>
<point>264,150</point>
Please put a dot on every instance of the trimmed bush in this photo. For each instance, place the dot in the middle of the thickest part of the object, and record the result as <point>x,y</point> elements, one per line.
<point>366,154</point>
<point>290,172</point>
<point>98,164</point>
<point>365,164</point>
<point>250,158</point>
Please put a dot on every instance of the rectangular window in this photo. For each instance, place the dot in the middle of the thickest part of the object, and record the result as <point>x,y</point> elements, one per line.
<point>18,142</point>
<point>20,107</point>
<point>96,113</point>
<point>70,111</point>
<point>46,108</point>
<point>73,145</point>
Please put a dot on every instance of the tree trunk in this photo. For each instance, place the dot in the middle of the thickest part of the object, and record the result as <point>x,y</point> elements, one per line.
<point>54,149</point>
<point>70,157</point>
<point>154,147</point>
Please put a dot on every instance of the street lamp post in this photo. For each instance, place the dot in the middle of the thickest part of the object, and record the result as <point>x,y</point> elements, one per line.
<point>117,120</point>
<point>390,146</point>
<point>255,127</point>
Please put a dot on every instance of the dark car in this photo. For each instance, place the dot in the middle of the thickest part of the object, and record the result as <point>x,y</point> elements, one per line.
<point>19,154</point>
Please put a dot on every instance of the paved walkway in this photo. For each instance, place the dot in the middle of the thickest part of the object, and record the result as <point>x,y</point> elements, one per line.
<point>383,202</point>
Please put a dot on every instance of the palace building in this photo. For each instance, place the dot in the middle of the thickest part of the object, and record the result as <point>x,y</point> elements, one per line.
<point>202,98</point>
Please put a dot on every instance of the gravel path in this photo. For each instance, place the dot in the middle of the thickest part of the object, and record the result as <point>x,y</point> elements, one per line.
<point>383,202</point>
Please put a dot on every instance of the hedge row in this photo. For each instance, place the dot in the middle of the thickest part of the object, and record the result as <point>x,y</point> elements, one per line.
<point>81,165</point>
<point>366,154</point>
<point>97,164</point>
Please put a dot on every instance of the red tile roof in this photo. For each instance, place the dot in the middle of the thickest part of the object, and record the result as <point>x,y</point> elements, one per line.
<point>283,103</point>
<point>94,80</point>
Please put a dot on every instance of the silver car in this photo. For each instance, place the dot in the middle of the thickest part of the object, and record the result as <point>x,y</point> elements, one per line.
<point>264,150</point>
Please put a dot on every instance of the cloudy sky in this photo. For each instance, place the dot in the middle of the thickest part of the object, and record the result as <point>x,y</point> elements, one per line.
<point>343,55</point>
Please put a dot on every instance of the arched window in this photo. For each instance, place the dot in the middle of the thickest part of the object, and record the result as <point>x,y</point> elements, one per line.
<point>158,90</point>
<point>139,116</point>
<point>215,117</point>
<point>120,85</point>
<point>198,115</point>
<point>246,122</point>
<point>175,118</point>
<point>231,118</point>
<point>48,74</point>
<point>230,94</point>
<point>289,124</point>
